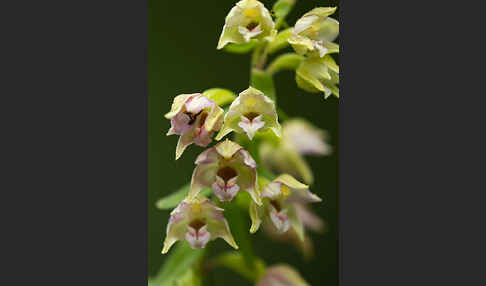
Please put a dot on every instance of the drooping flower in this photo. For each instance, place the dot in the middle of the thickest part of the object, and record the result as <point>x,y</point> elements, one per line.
<point>314,33</point>
<point>195,118</point>
<point>197,221</point>
<point>280,197</point>
<point>319,75</point>
<point>226,168</point>
<point>286,156</point>
<point>249,113</point>
<point>281,275</point>
<point>248,19</point>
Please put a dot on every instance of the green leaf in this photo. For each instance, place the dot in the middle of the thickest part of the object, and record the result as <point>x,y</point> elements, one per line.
<point>176,197</point>
<point>282,8</point>
<point>263,81</point>
<point>280,41</point>
<point>289,61</point>
<point>234,261</point>
<point>220,95</point>
<point>241,48</point>
<point>176,265</point>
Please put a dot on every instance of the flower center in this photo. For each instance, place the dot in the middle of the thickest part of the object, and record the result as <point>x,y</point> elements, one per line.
<point>276,205</point>
<point>226,173</point>
<point>197,224</point>
<point>251,26</point>
<point>251,115</point>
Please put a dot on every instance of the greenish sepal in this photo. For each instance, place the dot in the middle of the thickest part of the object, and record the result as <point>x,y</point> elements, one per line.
<point>176,197</point>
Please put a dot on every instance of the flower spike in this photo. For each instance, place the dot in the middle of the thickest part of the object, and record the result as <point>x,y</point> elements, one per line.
<point>249,113</point>
<point>226,168</point>
<point>195,118</point>
<point>197,221</point>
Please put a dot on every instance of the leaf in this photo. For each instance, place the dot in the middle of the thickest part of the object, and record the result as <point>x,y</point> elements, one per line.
<point>289,61</point>
<point>263,81</point>
<point>221,96</point>
<point>176,197</point>
<point>280,41</point>
<point>233,260</point>
<point>241,48</point>
<point>177,263</point>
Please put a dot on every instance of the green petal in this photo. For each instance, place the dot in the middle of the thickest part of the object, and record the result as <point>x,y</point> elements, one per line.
<point>295,222</point>
<point>255,215</point>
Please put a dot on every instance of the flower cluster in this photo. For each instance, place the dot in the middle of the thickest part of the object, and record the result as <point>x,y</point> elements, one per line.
<point>259,155</point>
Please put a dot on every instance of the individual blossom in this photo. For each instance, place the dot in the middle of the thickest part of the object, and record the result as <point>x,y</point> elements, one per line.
<point>249,113</point>
<point>226,168</point>
<point>280,197</point>
<point>197,221</point>
<point>319,75</point>
<point>195,118</point>
<point>281,275</point>
<point>286,156</point>
<point>314,33</point>
<point>248,19</point>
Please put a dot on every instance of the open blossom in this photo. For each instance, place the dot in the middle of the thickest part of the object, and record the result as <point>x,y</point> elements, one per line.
<point>315,32</point>
<point>281,275</point>
<point>249,113</point>
<point>280,197</point>
<point>248,19</point>
<point>226,168</point>
<point>195,118</point>
<point>318,75</point>
<point>197,221</point>
<point>299,138</point>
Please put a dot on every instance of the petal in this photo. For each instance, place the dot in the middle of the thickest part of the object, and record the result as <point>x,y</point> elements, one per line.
<point>176,226</point>
<point>309,219</point>
<point>197,238</point>
<point>272,190</point>
<point>291,182</point>
<point>198,102</point>
<point>251,127</point>
<point>218,226</point>
<point>202,138</point>
<point>329,30</point>
<point>279,219</point>
<point>178,104</point>
<point>248,159</point>
<point>247,34</point>
<point>225,191</point>
<point>215,118</point>
<point>185,140</point>
<point>280,275</point>
<point>203,175</point>
<point>304,23</point>
<point>296,222</point>
<point>305,138</point>
<point>255,215</point>
<point>227,148</point>
<point>179,124</point>
<point>208,156</point>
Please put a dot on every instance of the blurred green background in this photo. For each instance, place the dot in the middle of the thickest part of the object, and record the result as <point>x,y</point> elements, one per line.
<point>182,58</point>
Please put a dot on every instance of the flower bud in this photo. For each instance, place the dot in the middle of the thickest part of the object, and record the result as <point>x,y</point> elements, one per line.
<point>318,75</point>
<point>281,274</point>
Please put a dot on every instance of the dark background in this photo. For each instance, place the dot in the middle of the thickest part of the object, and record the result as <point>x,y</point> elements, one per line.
<point>182,58</point>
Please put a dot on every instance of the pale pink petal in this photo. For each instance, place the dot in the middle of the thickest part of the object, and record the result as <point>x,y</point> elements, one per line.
<point>197,103</point>
<point>280,220</point>
<point>179,124</point>
<point>271,190</point>
<point>202,138</point>
<point>248,159</point>
<point>197,238</point>
<point>248,34</point>
<point>225,191</point>
<point>251,127</point>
